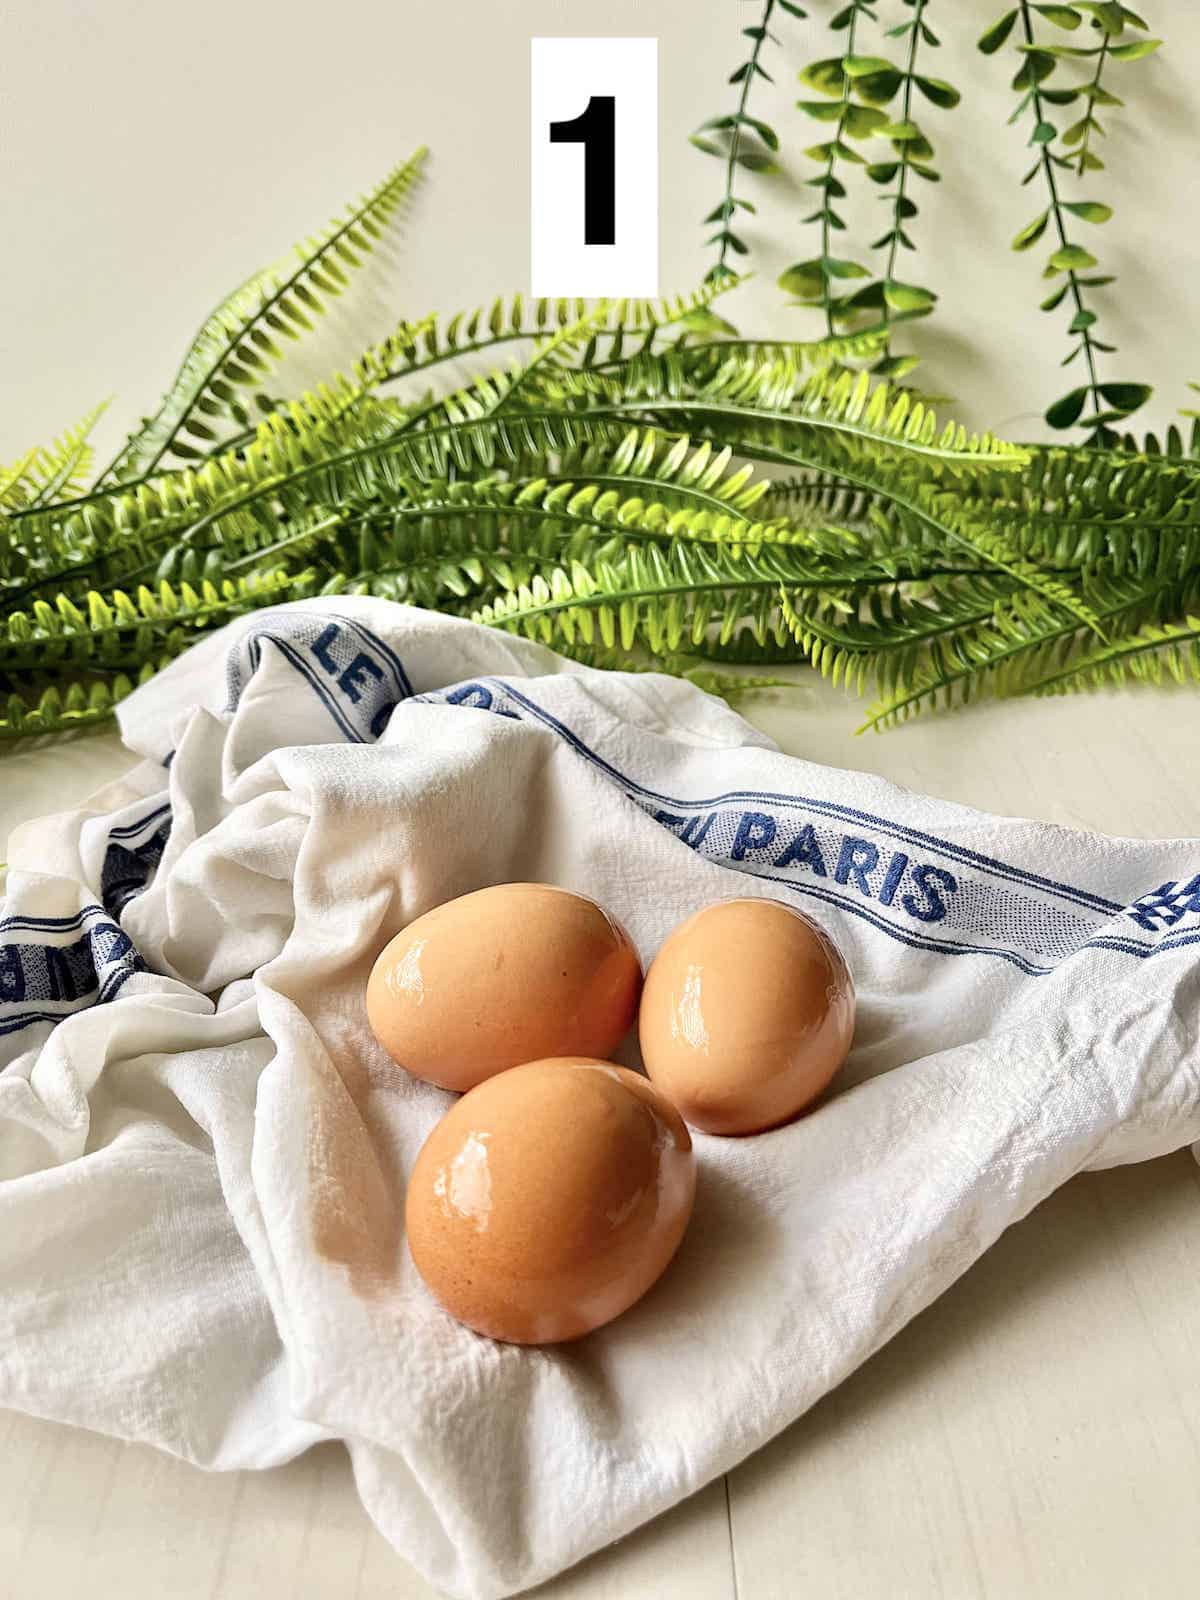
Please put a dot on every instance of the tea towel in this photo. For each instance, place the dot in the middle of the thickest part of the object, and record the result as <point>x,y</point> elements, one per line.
<point>203,1152</point>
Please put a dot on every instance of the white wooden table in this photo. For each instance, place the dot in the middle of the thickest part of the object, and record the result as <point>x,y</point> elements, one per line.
<point>1036,1433</point>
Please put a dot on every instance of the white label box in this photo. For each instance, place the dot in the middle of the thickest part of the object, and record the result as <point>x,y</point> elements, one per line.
<point>594,167</point>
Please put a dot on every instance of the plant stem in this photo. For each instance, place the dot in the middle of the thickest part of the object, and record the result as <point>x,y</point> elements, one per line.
<point>1089,353</point>
<point>735,141</point>
<point>826,296</point>
<point>905,113</point>
<point>1090,95</point>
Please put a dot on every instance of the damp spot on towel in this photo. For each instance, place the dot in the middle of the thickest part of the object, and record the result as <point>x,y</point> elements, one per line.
<point>355,1220</point>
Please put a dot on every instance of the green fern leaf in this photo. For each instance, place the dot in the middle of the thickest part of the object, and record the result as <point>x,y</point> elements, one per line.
<point>15,479</point>
<point>414,348</point>
<point>1155,655</point>
<point>51,633</point>
<point>73,706</point>
<point>239,343</point>
<point>49,473</point>
<point>1026,641</point>
<point>664,597</point>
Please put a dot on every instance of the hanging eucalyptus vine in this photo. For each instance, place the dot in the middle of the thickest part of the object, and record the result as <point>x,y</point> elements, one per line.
<point>738,139</point>
<point>864,98</point>
<point>857,87</point>
<point>1100,405</point>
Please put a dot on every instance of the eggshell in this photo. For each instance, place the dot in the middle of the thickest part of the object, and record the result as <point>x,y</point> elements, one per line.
<point>549,1199</point>
<point>509,974</point>
<point>747,1013</point>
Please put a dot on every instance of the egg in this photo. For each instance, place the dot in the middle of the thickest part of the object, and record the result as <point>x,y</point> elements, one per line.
<point>746,1015</point>
<point>549,1199</point>
<point>514,973</point>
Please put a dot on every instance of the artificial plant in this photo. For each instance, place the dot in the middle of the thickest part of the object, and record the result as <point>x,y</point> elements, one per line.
<point>867,97</point>
<point>738,139</point>
<point>624,481</point>
<point>1100,403</point>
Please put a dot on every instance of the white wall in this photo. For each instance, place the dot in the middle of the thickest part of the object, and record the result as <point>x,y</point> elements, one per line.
<point>153,153</point>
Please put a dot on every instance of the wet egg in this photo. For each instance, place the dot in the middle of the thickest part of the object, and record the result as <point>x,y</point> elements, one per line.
<point>514,973</point>
<point>746,1015</point>
<point>549,1199</point>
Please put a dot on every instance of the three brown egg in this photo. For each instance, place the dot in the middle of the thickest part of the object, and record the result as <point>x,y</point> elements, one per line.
<point>553,1195</point>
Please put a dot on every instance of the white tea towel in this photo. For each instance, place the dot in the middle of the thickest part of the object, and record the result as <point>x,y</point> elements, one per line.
<point>203,1151</point>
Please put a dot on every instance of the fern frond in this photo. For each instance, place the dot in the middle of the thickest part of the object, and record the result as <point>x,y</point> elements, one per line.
<point>236,347</point>
<point>998,551</point>
<point>831,351</point>
<point>662,597</point>
<point>844,405</point>
<point>74,706</point>
<point>1024,642</point>
<point>14,480</point>
<point>595,505</point>
<point>821,494</point>
<point>730,686</point>
<point>690,363</point>
<point>923,506</point>
<point>414,349</point>
<point>883,636</point>
<point>47,635</point>
<point>675,467</point>
<point>1154,655</point>
<point>458,536</point>
<point>1129,514</point>
<point>118,533</point>
<point>56,471</point>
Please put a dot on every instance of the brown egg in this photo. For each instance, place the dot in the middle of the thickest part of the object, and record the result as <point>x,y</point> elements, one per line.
<point>508,974</point>
<point>549,1199</point>
<point>747,1013</point>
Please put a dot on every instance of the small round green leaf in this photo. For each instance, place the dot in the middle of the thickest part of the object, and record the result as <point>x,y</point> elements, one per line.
<point>763,129</point>
<point>1126,397</point>
<point>1065,413</point>
<point>877,88</point>
<point>907,296</point>
<point>804,279</point>
<point>1036,67</point>
<point>939,91</point>
<point>991,40</point>
<point>1135,49</point>
<point>869,296</point>
<point>1031,232</point>
<point>1062,16</point>
<point>865,66</point>
<point>860,122</point>
<point>1089,210</point>
<point>1072,258</point>
<point>826,77</point>
<point>822,110</point>
<point>843,269</point>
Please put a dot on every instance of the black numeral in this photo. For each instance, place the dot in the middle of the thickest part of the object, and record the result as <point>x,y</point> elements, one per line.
<point>596,130</point>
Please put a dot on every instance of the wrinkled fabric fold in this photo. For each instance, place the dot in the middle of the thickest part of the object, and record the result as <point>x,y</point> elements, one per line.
<point>203,1152</point>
